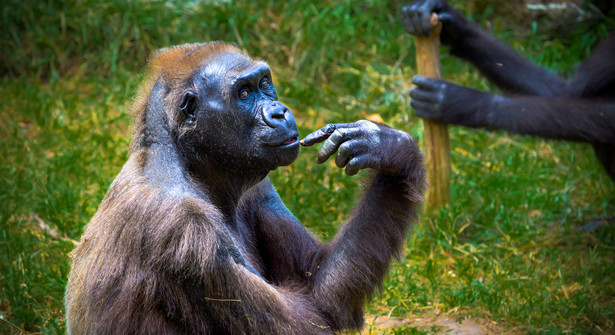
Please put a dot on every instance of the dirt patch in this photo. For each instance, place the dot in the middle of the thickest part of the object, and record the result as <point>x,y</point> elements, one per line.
<point>445,324</point>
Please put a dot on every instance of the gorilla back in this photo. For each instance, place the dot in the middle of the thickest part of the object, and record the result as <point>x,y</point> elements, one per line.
<point>191,237</point>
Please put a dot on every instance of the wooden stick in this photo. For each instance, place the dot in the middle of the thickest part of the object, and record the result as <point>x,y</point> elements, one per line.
<point>437,147</point>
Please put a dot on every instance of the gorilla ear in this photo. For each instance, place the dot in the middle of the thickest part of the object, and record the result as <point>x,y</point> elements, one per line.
<point>188,106</point>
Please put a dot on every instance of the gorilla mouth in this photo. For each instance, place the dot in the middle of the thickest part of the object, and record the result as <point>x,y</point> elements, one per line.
<point>294,140</point>
<point>289,142</point>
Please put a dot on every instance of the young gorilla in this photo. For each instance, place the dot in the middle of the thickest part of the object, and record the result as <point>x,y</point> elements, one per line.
<point>193,239</point>
<point>541,104</point>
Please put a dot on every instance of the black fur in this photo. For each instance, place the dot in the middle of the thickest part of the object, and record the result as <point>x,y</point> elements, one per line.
<point>537,103</point>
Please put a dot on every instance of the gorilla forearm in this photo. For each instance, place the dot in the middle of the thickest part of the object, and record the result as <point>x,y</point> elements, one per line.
<point>595,77</point>
<point>579,120</point>
<point>574,119</point>
<point>504,67</point>
<point>354,263</point>
<point>342,274</point>
<point>242,301</point>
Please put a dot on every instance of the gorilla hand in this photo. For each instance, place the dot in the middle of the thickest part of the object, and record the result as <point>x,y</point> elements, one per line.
<point>445,102</point>
<point>361,145</point>
<point>415,18</point>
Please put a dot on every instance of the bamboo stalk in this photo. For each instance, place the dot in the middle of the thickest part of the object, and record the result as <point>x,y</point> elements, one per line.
<point>437,147</point>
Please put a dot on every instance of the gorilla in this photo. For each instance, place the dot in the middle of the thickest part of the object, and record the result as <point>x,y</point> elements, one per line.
<point>537,103</point>
<point>192,238</point>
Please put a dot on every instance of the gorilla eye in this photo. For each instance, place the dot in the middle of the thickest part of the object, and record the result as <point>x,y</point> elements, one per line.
<point>243,93</point>
<point>264,82</point>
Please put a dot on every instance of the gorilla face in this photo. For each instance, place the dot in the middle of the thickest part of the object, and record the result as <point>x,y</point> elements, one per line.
<point>235,118</point>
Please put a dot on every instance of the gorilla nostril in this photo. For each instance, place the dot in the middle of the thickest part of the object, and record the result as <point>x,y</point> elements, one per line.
<point>279,114</point>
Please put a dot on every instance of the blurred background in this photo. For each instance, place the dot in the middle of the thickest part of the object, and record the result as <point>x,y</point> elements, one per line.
<point>505,257</point>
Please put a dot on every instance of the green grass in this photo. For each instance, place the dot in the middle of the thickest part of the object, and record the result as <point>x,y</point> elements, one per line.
<point>506,252</point>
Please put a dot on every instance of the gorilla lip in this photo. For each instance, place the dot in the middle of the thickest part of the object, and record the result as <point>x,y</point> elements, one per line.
<point>289,142</point>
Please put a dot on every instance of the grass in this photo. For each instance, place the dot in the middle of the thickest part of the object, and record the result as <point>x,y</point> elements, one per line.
<point>506,253</point>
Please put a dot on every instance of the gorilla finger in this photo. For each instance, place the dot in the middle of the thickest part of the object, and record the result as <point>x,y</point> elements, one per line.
<point>318,135</point>
<point>427,22</point>
<point>346,151</point>
<point>324,133</point>
<point>445,17</point>
<point>422,95</point>
<point>351,170</point>
<point>407,21</point>
<point>424,110</point>
<point>343,154</point>
<point>431,107</point>
<point>336,139</point>
<point>416,22</point>
<point>427,9</point>
<point>329,147</point>
<point>345,125</point>
<point>359,163</point>
<point>425,82</point>
<point>423,16</point>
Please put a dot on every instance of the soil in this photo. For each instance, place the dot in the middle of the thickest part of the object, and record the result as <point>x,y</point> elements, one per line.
<point>445,324</point>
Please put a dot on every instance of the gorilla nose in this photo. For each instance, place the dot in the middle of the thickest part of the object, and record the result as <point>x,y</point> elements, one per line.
<point>276,115</point>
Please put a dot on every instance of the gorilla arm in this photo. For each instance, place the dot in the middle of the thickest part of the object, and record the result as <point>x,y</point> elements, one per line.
<point>255,306</point>
<point>539,104</point>
<point>353,264</point>
<point>285,247</point>
<point>223,285</point>
<point>573,119</point>
<point>498,62</point>
<point>595,77</point>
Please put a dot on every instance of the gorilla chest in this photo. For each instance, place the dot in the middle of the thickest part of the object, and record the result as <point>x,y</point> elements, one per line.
<point>246,242</point>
